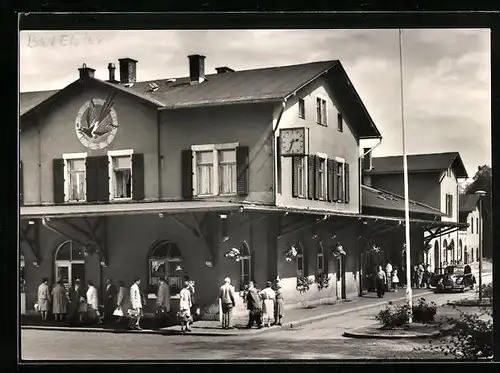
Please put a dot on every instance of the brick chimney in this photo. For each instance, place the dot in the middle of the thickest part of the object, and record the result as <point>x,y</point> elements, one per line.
<point>111,69</point>
<point>86,72</point>
<point>196,68</point>
<point>223,70</point>
<point>128,70</point>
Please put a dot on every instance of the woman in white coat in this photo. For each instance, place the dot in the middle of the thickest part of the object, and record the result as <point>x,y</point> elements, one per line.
<point>93,302</point>
<point>136,301</point>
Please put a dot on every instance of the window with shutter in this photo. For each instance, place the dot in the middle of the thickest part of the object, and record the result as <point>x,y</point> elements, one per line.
<point>118,175</point>
<point>311,176</point>
<point>340,182</point>
<point>21,183</point>
<point>138,192</point>
<point>321,174</point>
<point>58,180</point>
<point>216,169</point>
<point>346,183</point>
<point>298,177</point>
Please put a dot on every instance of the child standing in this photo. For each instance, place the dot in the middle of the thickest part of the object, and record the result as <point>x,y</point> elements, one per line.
<point>395,280</point>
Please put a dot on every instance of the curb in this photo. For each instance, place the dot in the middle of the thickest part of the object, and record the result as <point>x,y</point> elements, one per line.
<point>361,335</point>
<point>312,319</point>
<point>290,325</point>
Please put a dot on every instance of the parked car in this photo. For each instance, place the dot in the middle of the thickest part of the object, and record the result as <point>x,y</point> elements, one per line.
<point>453,278</point>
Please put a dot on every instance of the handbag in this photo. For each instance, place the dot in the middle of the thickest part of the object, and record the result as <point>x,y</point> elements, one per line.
<point>118,312</point>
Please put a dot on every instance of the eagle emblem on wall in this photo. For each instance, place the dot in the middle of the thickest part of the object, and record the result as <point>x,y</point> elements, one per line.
<point>97,123</point>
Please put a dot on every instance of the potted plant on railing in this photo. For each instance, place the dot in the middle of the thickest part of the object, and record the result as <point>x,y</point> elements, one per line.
<point>303,285</point>
<point>233,254</point>
<point>291,253</point>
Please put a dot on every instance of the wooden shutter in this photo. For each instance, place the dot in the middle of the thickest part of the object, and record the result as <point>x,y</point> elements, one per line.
<point>346,178</point>
<point>187,173</point>
<point>103,178</point>
<point>305,255</point>
<point>341,184</point>
<point>330,177</point>
<point>58,180</point>
<point>317,192</point>
<point>295,176</point>
<point>138,177</point>
<point>335,183</point>
<point>92,178</point>
<point>310,176</point>
<point>278,164</point>
<point>242,170</point>
<point>21,183</point>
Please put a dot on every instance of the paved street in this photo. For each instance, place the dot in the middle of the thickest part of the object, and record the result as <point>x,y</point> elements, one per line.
<point>320,340</point>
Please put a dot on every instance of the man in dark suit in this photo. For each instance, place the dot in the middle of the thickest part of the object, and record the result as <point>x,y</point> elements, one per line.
<point>109,300</point>
<point>254,307</point>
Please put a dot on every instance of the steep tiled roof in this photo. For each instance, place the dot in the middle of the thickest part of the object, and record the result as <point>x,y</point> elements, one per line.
<point>468,202</point>
<point>251,86</point>
<point>419,163</point>
<point>382,199</point>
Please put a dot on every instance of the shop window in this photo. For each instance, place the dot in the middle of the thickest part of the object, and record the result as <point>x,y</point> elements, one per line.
<point>165,260</point>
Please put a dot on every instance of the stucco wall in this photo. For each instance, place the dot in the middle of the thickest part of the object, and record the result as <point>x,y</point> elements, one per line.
<point>248,125</point>
<point>321,139</point>
<point>54,134</point>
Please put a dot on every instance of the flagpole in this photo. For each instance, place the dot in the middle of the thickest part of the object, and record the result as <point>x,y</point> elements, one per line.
<point>409,296</point>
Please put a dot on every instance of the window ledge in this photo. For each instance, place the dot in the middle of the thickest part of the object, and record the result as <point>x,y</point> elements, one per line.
<point>120,199</point>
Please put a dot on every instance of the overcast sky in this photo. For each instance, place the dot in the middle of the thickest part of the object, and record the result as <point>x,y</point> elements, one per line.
<point>446,73</point>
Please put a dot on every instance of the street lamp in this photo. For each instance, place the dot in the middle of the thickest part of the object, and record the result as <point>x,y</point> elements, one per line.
<point>481,194</point>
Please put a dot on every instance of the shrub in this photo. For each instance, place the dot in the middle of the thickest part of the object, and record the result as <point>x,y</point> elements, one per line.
<point>303,284</point>
<point>469,338</point>
<point>487,292</point>
<point>423,311</point>
<point>210,313</point>
<point>394,316</point>
<point>322,281</point>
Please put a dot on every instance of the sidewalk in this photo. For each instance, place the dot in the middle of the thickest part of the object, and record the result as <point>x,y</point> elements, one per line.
<point>294,317</point>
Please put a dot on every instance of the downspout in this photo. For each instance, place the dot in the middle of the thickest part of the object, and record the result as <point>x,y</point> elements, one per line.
<point>46,225</point>
<point>275,128</point>
<point>360,201</point>
<point>160,157</point>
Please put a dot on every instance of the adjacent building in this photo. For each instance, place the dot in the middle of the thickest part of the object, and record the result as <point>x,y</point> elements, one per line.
<point>433,179</point>
<point>469,213</point>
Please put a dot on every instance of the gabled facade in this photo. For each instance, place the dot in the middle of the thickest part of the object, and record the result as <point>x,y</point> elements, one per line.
<point>432,180</point>
<point>469,213</point>
<point>162,178</point>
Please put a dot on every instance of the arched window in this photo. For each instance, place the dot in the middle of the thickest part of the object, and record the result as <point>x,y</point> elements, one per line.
<point>477,253</point>
<point>300,260</point>
<point>320,259</point>
<point>459,254</point>
<point>445,252</point>
<point>466,255</point>
<point>436,256</point>
<point>472,255</point>
<point>69,263</point>
<point>165,260</point>
<point>452,251</point>
<point>245,264</point>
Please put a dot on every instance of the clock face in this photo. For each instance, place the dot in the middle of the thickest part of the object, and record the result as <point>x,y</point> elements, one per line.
<point>292,141</point>
<point>96,123</point>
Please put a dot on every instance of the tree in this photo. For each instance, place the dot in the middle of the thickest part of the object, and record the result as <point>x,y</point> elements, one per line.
<point>483,181</point>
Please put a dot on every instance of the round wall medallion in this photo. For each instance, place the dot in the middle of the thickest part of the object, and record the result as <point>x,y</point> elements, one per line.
<point>96,123</point>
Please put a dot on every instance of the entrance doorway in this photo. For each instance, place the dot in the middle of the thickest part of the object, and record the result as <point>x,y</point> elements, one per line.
<point>70,263</point>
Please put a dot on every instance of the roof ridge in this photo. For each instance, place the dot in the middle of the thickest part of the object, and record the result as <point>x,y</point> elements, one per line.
<point>248,70</point>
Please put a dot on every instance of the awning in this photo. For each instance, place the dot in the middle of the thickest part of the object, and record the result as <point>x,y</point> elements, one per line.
<point>88,210</point>
<point>329,213</point>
